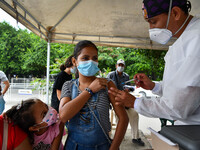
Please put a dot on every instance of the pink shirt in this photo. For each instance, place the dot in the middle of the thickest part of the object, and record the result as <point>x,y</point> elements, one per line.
<point>43,142</point>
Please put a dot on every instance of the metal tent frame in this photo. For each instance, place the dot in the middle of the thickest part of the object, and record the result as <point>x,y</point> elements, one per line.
<point>107,22</point>
<point>48,36</point>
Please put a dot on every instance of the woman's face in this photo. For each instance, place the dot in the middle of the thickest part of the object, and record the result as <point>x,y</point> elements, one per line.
<point>87,53</point>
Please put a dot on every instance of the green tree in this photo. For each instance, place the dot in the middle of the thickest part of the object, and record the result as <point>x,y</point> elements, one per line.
<point>61,52</point>
<point>35,57</point>
<point>13,45</point>
<point>23,53</point>
<point>150,62</point>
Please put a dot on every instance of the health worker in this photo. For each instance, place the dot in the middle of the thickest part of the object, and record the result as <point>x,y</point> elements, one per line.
<point>179,90</point>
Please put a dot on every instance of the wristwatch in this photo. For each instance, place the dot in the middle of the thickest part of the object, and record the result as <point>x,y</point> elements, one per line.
<point>89,91</point>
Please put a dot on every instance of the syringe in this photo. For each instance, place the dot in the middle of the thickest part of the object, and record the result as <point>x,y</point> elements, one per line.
<point>130,81</point>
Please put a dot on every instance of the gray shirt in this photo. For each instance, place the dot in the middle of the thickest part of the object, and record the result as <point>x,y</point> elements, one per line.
<point>103,103</point>
<point>3,77</point>
<point>118,79</point>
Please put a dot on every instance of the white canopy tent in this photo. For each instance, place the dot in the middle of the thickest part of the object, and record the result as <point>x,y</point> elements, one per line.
<point>104,22</point>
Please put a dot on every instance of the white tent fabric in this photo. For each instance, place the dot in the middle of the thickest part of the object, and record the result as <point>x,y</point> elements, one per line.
<point>105,22</point>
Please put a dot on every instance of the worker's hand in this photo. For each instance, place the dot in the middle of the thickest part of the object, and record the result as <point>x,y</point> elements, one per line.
<point>122,97</point>
<point>143,81</point>
<point>98,84</point>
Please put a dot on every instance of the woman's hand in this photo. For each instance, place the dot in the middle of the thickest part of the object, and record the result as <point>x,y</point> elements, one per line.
<point>143,81</point>
<point>98,84</point>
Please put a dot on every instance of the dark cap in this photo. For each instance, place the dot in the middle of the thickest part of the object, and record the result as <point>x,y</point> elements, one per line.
<point>153,8</point>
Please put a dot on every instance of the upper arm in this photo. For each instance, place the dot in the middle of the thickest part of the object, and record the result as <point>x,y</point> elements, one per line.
<point>66,89</point>
<point>119,109</point>
<point>7,84</point>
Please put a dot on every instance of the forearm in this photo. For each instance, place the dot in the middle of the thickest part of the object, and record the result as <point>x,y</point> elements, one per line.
<point>57,141</point>
<point>120,132</point>
<point>7,85</point>
<point>71,108</point>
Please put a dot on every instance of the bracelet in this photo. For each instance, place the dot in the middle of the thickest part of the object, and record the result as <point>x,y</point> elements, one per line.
<point>89,91</point>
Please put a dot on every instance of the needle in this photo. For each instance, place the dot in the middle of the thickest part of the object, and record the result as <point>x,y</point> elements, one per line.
<point>129,81</point>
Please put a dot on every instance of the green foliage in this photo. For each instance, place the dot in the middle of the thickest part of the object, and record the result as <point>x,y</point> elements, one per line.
<point>23,54</point>
<point>13,45</point>
<point>62,52</point>
<point>41,84</point>
<point>150,62</point>
<point>35,57</point>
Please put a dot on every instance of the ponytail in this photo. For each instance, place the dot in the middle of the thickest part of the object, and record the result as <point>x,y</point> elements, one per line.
<point>62,67</point>
<point>68,63</point>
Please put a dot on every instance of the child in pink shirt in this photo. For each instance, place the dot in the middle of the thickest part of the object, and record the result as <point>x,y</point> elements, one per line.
<point>40,122</point>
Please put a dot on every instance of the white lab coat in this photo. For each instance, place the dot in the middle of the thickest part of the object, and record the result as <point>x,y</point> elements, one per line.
<point>180,89</point>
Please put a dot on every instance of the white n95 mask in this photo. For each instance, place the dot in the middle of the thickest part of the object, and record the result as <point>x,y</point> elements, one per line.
<point>120,69</point>
<point>161,36</point>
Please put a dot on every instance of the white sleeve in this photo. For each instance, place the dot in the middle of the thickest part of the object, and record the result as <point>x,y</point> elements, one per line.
<point>3,76</point>
<point>157,88</point>
<point>181,96</point>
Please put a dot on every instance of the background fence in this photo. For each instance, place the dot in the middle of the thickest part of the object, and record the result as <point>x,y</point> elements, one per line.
<point>24,88</point>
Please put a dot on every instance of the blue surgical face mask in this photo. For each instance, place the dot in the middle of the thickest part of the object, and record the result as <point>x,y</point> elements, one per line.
<point>88,68</point>
<point>73,70</point>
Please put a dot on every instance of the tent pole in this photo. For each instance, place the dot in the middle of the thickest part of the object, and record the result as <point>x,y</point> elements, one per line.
<point>47,74</point>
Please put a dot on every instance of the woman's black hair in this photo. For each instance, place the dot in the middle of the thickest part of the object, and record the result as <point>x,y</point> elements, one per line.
<point>22,116</point>
<point>81,45</point>
<point>67,64</point>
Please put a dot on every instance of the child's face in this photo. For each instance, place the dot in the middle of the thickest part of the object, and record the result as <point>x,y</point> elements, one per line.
<point>40,109</point>
<point>88,53</point>
<point>44,116</point>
